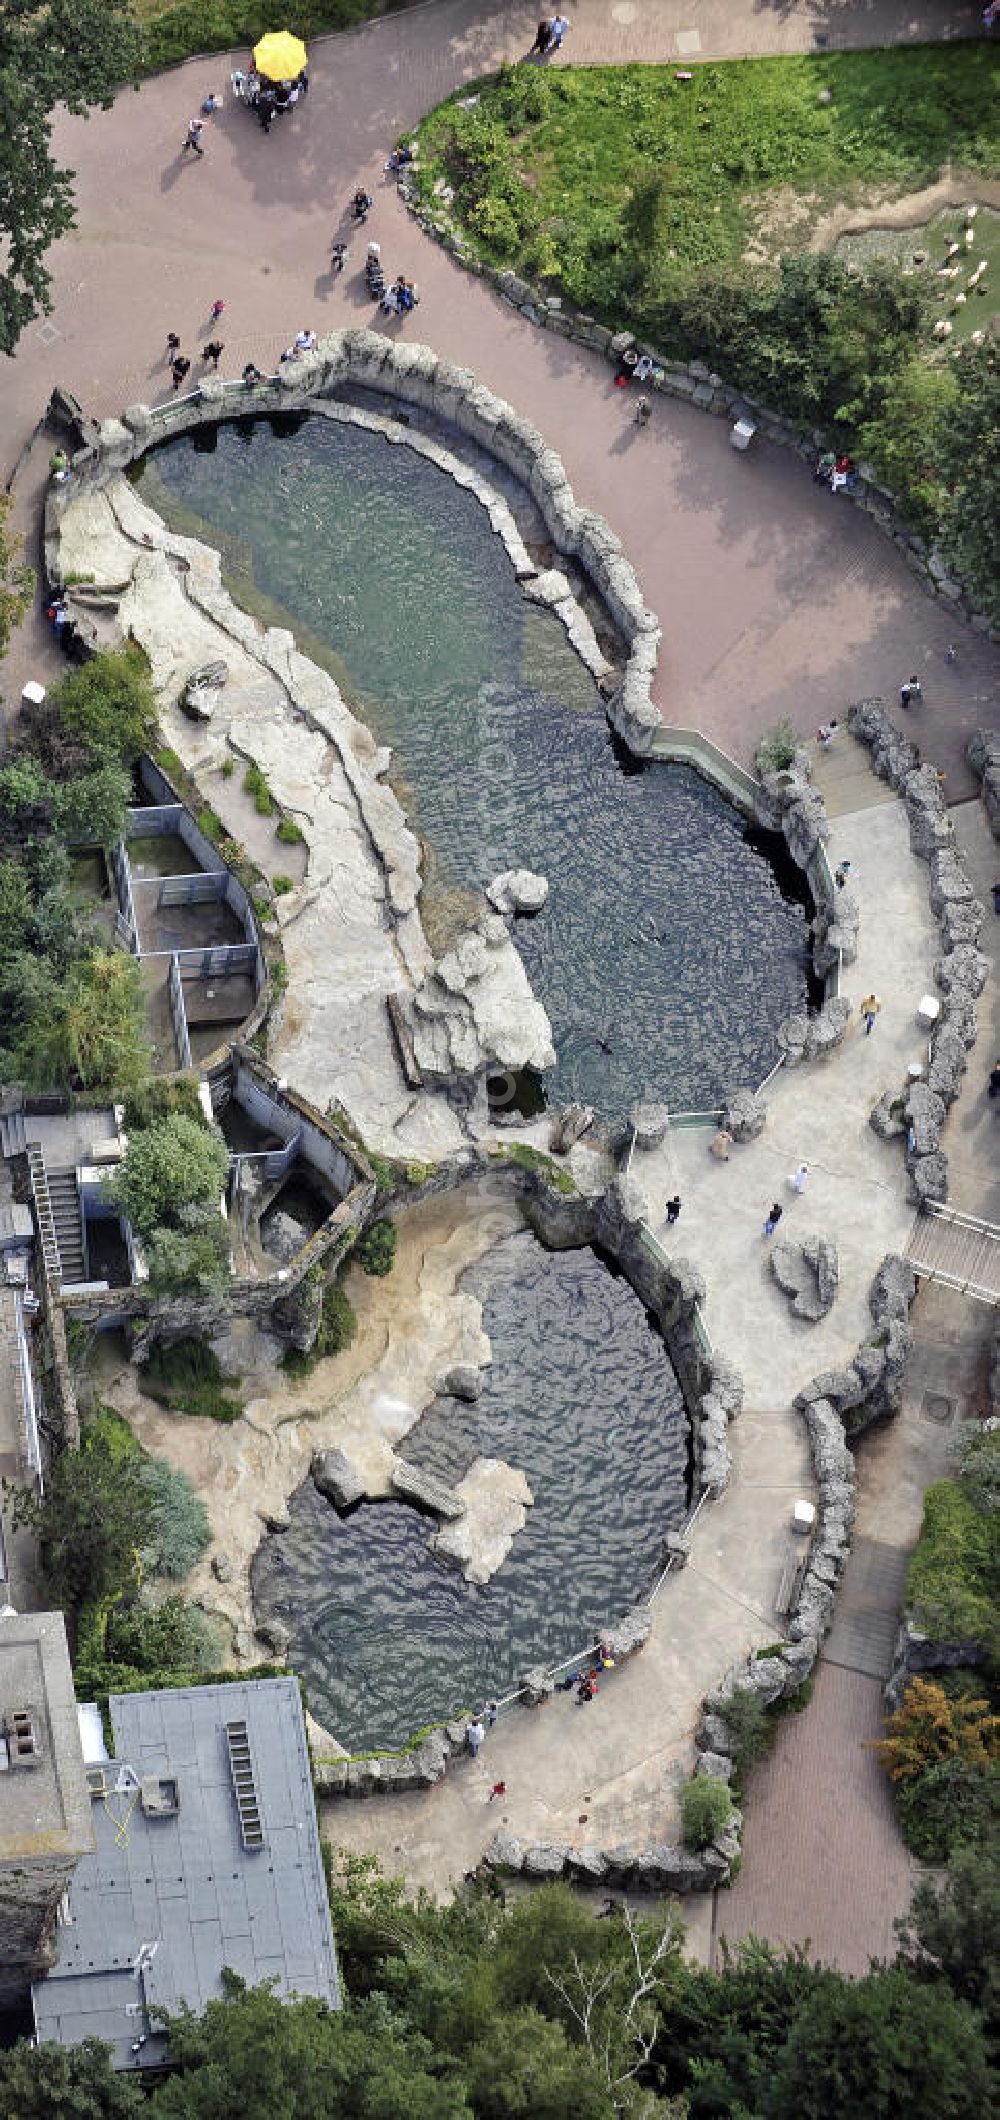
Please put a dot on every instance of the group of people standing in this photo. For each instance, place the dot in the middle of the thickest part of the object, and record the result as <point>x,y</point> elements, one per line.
<point>549,35</point>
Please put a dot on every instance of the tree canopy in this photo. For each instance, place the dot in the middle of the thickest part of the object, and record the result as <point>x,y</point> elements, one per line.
<point>73,52</point>
<point>174,1164</point>
<point>967,453</point>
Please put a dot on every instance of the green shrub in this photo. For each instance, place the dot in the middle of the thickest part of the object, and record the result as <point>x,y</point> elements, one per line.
<point>777,748</point>
<point>418,1173</point>
<point>109,703</point>
<point>194,26</point>
<point>211,825</point>
<point>376,1249</point>
<point>289,832</point>
<point>281,885</point>
<point>706,1809</point>
<point>191,1260</point>
<point>528,1158</point>
<point>383,1173</point>
<point>160,1098</point>
<point>180,1530</point>
<point>171,1165</point>
<point>750,1729</point>
<point>169,762</point>
<point>171,1636</point>
<point>337,1326</point>
<point>948,1808</point>
<point>255,784</point>
<point>953,1580</point>
<point>227,768</point>
<point>188,1378</point>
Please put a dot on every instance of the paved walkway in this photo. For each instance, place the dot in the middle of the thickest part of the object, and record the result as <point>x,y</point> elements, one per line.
<point>774,598</point>
<point>823,1860</point>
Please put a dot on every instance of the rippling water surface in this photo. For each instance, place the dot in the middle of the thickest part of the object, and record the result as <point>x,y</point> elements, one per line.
<point>668,951</point>
<point>582,1397</point>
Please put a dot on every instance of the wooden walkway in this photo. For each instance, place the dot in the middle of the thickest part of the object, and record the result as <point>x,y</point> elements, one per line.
<point>958,1250</point>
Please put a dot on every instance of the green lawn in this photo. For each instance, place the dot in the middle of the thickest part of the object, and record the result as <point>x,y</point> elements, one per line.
<point>545,165</point>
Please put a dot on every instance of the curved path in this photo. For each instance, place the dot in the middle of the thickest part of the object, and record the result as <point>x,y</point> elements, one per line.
<point>774,598</point>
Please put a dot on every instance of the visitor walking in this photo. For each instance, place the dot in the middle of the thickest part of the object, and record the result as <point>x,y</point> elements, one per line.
<point>179,368</point>
<point>951,653</point>
<point>673,1209</point>
<point>192,138</point>
<point>338,257</point>
<point>911,693</point>
<point>870,1007</point>
<point>798,1178</point>
<point>841,874</point>
<point>774,1214</point>
<point>216,310</point>
<point>474,1736</point>
<point>826,732</point>
<point>542,35</point>
<point>720,1145</point>
<point>643,412</point>
<point>993,1088</point>
<point>499,1789</point>
<point>253,374</point>
<point>557,31</point>
<point>213,352</point>
<point>173,345</point>
<point>492,1711</point>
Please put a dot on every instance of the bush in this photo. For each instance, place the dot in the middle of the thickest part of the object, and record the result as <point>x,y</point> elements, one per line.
<point>931,1726</point>
<point>337,1326</point>
<point>777,748</point>
<point>376,1249</point>
<point>255,784</point>
<point>281,885</point>
<point>89,1032</point>
<point>706,1809</point>
<point>949,1807</point>
<point>174,1164</point>
<point>750,1729</point>
<point>179,1528</point>
<point>161,1098</point>
<point>953,1580</point>
<point>187,1377</point>
<point>182,31</point>
<point>109,703</point>
<point>528,1158</point>
<point>190,1260</point>
<point>289,832</point>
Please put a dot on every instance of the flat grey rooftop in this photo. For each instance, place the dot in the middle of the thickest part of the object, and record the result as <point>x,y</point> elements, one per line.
<point>166,1902</point>
<point>44,1809</point>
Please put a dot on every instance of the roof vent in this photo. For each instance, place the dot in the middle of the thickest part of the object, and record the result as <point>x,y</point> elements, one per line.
<point>160,1795</point>
<point>24,1737</point>
<point>97,1782</point>
<point>244,1785</point>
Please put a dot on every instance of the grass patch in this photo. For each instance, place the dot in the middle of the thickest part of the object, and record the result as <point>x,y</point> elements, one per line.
<point>255,784</point>
<point>289,832</point>
<point>188,1378</point>
<point>546,165</point>
<point>281,885</point>
<point>337,1326</point>
<point>528,1158</point>
<point>211,825</point>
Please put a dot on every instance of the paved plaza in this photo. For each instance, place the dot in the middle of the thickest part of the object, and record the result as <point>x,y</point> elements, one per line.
<point>775,599</point>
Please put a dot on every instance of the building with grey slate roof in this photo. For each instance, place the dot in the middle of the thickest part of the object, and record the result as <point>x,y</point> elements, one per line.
<point>207,1856</point>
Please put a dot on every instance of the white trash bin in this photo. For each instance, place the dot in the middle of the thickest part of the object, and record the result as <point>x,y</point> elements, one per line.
<point>33,695</point>
<point>742,434</point>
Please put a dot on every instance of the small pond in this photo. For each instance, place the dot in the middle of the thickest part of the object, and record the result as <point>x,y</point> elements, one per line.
<point>581,1395</point>
<point>671,947</point>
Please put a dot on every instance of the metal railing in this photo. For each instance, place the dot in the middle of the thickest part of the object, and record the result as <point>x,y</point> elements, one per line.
<point>178,1012</point>
<point>43,1212</point>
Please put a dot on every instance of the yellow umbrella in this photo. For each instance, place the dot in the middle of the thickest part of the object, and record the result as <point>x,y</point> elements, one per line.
<point>280,56</point>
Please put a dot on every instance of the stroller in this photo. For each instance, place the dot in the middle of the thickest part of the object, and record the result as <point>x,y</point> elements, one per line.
<point>374,275</point>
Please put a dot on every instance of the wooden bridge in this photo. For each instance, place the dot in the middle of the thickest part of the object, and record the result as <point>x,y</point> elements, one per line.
<point>958,1250</point>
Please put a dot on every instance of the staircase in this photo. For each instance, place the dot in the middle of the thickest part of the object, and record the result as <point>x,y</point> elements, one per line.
<point>12,1136</point>
<point>43,1212</point>
<point>959,1250</point>
<point>64,1200</point>
<point>244,1785</point>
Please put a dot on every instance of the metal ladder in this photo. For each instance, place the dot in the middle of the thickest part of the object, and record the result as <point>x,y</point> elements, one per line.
<point>244,1785</point>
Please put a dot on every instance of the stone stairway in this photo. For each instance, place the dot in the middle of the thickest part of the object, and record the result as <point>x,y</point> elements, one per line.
<point>64,1200</point>
<point>843,776</point>
<point>959,1250</point>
